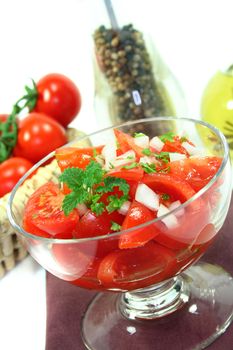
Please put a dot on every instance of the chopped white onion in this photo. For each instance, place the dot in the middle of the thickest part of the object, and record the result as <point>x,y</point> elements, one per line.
<point>125,158</point>
<point>156,143</point>
<point>82,209</point>
<point>176,156</point>
<point>192,150</point>
<point>170,221</point>
<point>109,153</point>
<point>147,160</point>
<point>142,141</point>
<point>124,208</point>
<point>175,205</point>
<point>147,197</point>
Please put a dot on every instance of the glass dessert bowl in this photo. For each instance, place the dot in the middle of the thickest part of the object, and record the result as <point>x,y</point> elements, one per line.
<point>176,195</point>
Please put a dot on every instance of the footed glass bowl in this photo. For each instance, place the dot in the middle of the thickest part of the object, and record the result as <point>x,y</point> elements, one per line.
<point>153,281</point>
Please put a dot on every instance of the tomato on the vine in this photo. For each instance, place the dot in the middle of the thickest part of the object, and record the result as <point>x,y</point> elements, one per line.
<point>38,135</point>
<point>58,97</point>
<point>11,170</point>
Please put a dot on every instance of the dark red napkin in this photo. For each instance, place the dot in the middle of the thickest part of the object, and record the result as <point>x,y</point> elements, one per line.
<point>66,303</point>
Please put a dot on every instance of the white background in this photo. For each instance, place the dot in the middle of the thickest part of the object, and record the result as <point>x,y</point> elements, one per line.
<point>42,36</point>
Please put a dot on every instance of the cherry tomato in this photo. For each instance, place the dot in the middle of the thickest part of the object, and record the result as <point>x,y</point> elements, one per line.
<point>132,268</point>
<point>59,98</point>
<point>92,225</point>
<point>43,210</point>
<point>11,170</point>
<point>138,214</point>
<point>38,136</point>
<point>126,143</point>
<point>196,171</point>
<point>3,117</point>
<point>68,157</point>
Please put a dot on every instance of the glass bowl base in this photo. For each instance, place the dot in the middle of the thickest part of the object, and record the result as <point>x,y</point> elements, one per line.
<point>202,319</point>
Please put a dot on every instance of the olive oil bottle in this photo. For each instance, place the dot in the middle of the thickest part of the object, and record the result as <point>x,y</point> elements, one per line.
<point>217,104</point>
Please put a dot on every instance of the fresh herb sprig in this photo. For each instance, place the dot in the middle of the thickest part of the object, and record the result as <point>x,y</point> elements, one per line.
<point>163,156</point>
<point>169,136</point>
<point>88,186</point>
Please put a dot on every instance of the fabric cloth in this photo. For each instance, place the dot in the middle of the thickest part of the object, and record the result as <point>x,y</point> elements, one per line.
<point>66,303</point>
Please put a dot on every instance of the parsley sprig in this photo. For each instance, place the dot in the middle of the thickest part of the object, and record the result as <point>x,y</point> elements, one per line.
<point>88,186</point>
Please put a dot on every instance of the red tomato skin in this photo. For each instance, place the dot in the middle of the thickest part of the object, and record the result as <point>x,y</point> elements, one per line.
<point>136,268</point>
<point>11,170</point>
<point>172,185</point>
<point>91,225</point>
<point>59,98</point>
<point>38,135</point>
<point>135,174</point>
<point>138,214</point>
<point>196,171</point>
<point>126,143</point>
<point>68,157</point>
<point>43,210</point>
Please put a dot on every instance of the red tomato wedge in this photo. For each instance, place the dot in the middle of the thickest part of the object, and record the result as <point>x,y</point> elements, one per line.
<point>122,268</point>
<point>43,210</point>
<point>74,259</point>
<point>135,174</point>
<point>172,185</point>
<point>175,146</point>
<point>196,171</point>
<point>138,214</point>
<point>126,143</point>
<point>68,157</point>
<point>91,225</point>
<point>29,227</point>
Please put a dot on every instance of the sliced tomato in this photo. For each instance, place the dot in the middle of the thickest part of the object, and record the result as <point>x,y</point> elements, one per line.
<point>68,157</point>
<point>135,174</point>
<point>43,210</point>
<point>138,214</point>
<point>91,225</point>
<point>169,184</point>
<point>190,230</point>
<point>30,228</point>
<point>126,143</point>
<point>133,268</point>
<point>196,171</point>
<point>74,259</point>
<point>89,280</point>
<point>175,146</point>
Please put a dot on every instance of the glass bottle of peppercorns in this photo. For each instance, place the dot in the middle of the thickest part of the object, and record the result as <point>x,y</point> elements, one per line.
<point>132,81</point>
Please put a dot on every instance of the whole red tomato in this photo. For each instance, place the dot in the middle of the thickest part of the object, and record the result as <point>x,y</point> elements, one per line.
<point>11,170</point>
<point>3,117</point>
<point>38,135</point>
<point>58,97</point>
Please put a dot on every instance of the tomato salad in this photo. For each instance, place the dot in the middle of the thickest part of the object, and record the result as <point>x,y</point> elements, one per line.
<point>115,187</point>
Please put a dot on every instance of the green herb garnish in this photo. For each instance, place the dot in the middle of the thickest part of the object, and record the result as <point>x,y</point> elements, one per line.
<point>169,136</point>
<point>148,168</point>
<point>147,152</point>
<point>165,196</point>
<point>130,166</point>
<point>138,134</point>
<point>115,226</point>
<point>164,156</point>
<point>183,139</point>
<point>88,185</point>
